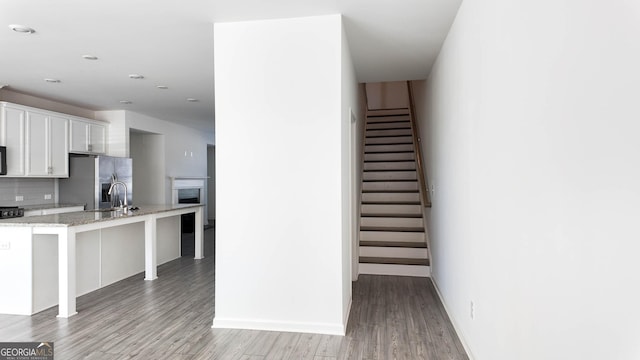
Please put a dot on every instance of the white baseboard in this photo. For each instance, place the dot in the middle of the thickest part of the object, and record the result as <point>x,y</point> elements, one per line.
<point>248,324</point>
<point>457,328</point>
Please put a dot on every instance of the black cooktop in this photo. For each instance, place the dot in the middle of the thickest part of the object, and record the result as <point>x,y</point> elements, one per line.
<point>10,212</point>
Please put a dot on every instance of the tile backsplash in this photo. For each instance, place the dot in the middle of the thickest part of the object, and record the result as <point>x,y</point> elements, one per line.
<point>33,191</point>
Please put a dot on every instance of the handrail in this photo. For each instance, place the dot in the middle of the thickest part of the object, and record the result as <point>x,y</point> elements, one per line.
<point>426,198</point>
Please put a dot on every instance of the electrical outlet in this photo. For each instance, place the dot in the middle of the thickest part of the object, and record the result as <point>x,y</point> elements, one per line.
<point>472,310</point>
<point>19,198</point>
<point>5,245</point>
<point>47,196</point>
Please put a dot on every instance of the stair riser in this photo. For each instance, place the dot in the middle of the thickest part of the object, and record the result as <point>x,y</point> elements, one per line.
<point>387,197</point>
<point>390,125</point>
<point>386,236</point>
<point>394,132</point>
<point>390,157</point>
<point>391,252</point>
<point>388,148</point>
<point>382,186</point>
<point>390,140</point>
<point>387,112</point>
<point>395,270</point>
<point>390,175</point>
<point>391,222</point>
<point>403,165</point>
<point>380,112</point>
<point>391,209</point>
<point>387,119</point>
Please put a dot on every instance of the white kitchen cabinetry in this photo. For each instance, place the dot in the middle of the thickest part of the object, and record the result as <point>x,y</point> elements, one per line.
<point>47,145</point>
<point>87,137</point>
<point>12,128</point>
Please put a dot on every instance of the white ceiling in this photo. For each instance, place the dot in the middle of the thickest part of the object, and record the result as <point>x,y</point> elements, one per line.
<point>171,43</point>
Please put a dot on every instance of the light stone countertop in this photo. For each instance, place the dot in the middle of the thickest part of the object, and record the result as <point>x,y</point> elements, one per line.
<point>89,216</point>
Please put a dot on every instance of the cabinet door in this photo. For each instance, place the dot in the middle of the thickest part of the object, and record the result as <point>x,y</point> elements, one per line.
<point>12,128</point>
<point>58,134</point>
<point>47,145</point>
<point>97,138</point>
<point>37,145</point>
<point>79,136</point>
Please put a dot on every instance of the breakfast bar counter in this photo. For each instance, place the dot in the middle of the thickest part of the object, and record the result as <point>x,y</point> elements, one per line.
<point>27,252</point>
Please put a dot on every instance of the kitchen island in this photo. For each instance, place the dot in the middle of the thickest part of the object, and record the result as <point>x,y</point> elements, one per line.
<point>95,247</point>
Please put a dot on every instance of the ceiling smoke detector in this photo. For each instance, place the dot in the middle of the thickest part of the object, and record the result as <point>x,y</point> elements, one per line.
<point>49,80</point>
<point>192,100</point>
<point>89,57</point>
<point>163,87</point>
<point>136,76</point>
<point>22,29</point>
<point>127,102</point>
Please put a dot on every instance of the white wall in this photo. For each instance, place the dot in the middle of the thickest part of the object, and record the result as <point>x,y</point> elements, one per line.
<point>211,182</point>
<point>279,122</point>
<point>147,153</point>
<point>532,145</point>
<point>387,95</point>
<point>118,133</point>
<point>352,125</point>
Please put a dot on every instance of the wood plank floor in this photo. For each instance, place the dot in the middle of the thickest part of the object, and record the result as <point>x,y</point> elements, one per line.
<point>170,318</point>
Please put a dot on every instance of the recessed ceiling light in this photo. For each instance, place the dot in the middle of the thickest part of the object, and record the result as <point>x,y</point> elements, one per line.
<point>192,100</point>
<point>136,76</point>
<point>21,29</point>
<point>90,57</point>
<point>49,80</point>
<point>125,102</point>
<point>162,87</point>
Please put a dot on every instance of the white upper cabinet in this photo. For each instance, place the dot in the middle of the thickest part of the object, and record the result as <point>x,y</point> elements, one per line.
<point>87,137</point>
<point>47,145</point>
<point>39,141</point>
<point>12,128</point>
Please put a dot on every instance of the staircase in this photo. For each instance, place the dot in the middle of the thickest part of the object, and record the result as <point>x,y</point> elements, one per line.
<point>392,229</point>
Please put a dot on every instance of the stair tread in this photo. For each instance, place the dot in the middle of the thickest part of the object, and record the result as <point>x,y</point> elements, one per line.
<point>389,180</point>
<point>405,127</point>
<point>419,229</point>
<point>389,152</point>
<point>390,202</point>
<point>388,191</point>
<point>394,143</point>
<point>388,170</point>
<point>386,136</point>
<point>393,260</point>
<point>403,244</point>
<point>397,112</point>
<point>392,215</point>
<point>389,161</point>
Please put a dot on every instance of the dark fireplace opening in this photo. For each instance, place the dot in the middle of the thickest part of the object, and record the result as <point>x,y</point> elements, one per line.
<point>188,222</point>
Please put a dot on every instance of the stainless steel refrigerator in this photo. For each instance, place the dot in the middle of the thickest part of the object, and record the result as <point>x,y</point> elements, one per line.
<point>90,178</point>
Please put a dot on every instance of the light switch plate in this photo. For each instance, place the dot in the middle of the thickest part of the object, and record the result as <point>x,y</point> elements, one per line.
<point>19,198</point>
<point>5,245</point>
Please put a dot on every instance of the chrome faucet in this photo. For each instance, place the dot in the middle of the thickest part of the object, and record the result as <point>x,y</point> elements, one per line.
<point>125,209</point>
